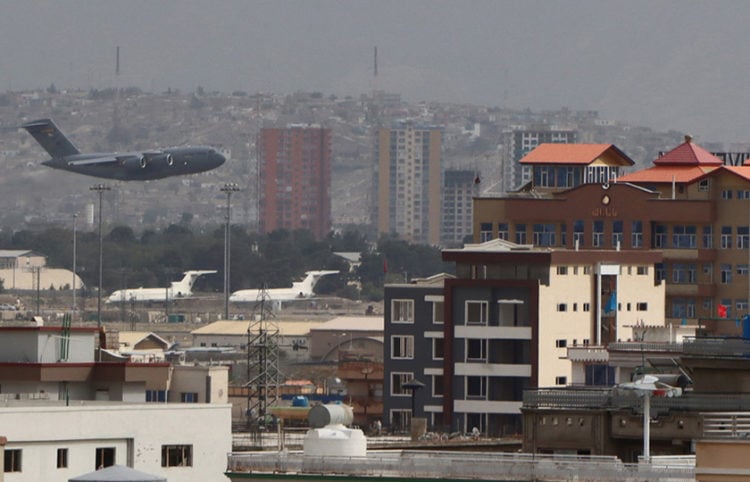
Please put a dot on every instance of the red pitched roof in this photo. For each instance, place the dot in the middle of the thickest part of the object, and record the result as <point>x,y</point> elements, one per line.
<point>688,154</point>
<point>667,174</point>
<point>573,154</point>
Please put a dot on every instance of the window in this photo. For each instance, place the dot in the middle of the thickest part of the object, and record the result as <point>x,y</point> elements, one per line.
<point>642,270</point>
<point>476,349</point>
<point>726,274</point>
<point>176,455</point>
<point>597,236</point>
<point>476,387</point>
<point>12,461</point>
<point>660,236</point>
<point>189,397</point>
<point>578,234</point>
<point>563,235</point>
<point>684,237</point>
<point>660,272</point>
<point>708,237</point>
<point>438,312</point>
<point>437,386</point>
<point>726,237</point>
<point>683,308</point>
<point>562,270</point>
<point>617,233</point>
<point>520,234</point>
<point>562,307</point>
<point>587,307</point>
<point>741,304</point>
<point>485,232</point>
<point>636,234</point>
<point>476,312</point>
<point>703,185</point>
<point>105,457</point>
<point>726,194</point>
<point>402,346</point>
<point>397,383</point>
<point>561,343</point>
<point>743,237</point>
<point>156,396</point>
<point>561,380</point>
<point>402,311</point>
<point>641,306</point>
<point>544,234</point>
<point>438,347</point>
<point>683,273</point>
<point>742,269</point>
<point>400,419</point>
<point>502,231</point>
<point>62,458</point>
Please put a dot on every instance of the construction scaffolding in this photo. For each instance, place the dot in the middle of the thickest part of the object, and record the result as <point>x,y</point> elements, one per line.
<point>263,375</point>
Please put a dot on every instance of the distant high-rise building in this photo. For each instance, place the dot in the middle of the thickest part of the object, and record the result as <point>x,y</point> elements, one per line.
<point>409,181</point>
<point>459,188</point>
<point>295,179</point>
<point>520,141</point>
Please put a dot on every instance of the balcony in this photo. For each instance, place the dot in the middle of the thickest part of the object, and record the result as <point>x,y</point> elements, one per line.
<point>492,370</point>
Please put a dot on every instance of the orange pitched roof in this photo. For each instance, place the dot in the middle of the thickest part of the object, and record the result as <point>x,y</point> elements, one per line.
<point>742,171</point>
<point>666,174</point>
<point>573,154</point>
<point>690,154</point>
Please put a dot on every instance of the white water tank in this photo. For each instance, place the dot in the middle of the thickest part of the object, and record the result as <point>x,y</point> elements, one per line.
<point>329,437</point>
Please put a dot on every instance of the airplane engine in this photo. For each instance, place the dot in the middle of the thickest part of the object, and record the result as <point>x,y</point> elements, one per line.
<point>170,159</point>
<point>143,162</point>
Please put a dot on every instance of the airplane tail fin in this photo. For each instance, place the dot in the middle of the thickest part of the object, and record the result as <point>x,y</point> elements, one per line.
<point>46,133</point>
<point>184,287</point>
<point>311,279</point>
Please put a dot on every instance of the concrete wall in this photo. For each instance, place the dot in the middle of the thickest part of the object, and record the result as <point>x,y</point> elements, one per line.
<point>722,460</point>
<point>137,432</point>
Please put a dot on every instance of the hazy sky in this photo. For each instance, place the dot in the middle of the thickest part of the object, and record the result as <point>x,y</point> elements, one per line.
<point>679,65</point>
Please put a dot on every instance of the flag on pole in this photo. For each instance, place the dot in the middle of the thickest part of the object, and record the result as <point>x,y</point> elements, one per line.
<point>612,303</point>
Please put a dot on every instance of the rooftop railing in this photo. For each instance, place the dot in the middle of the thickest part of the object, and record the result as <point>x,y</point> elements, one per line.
<point>618,399</point>
<point>461,466</point>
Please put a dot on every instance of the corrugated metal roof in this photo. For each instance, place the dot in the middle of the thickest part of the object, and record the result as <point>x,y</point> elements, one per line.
<point>118,473</point>
<point>240,327</point>
<point>575,154</point>
<point>132,338</point>
<point>353,323</point>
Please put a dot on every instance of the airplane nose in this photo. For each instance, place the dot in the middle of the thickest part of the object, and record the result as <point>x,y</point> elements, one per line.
<point>219,159</point>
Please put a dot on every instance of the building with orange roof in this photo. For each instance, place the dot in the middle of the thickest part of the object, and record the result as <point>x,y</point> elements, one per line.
<point>688,204</point>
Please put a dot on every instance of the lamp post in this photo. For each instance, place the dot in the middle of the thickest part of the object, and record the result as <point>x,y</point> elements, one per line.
<point>75,218</point>
<point>227,189</point>
<point>366,370</point>
<point>650,386</point>
<point>413,385</point>
<point>99,188</point>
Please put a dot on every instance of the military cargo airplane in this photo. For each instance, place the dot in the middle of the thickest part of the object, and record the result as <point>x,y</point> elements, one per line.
<point>127,166</point>
<point>299,290</point>
<point>177,290</point>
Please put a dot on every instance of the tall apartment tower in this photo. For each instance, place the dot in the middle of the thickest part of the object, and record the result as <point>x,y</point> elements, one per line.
<point>295,179</point>
<point>520,141</point>
<point>409,180</point>
<point>459,188</point>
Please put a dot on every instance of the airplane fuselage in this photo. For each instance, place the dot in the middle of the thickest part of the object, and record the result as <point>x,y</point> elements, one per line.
<point>128,166</point>
<point>141,166</point>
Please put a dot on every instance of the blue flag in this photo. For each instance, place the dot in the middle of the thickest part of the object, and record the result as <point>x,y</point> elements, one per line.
<point>612,303</point>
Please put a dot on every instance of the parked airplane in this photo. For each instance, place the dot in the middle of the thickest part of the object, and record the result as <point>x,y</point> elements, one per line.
<point>299,290</point>
<point>177,290</point>
<point>128,166</point>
